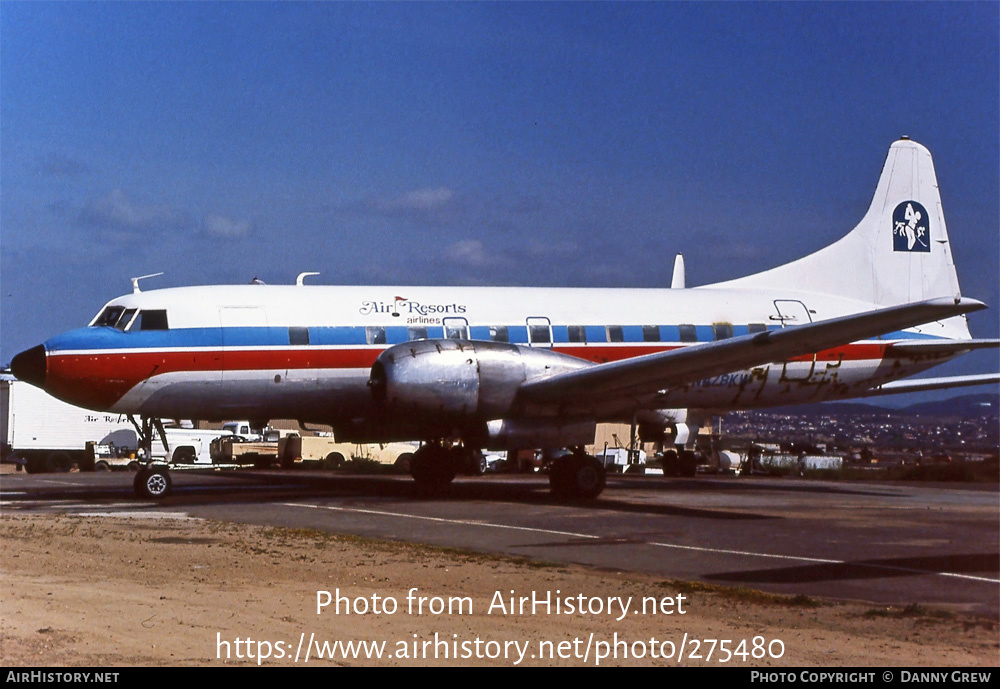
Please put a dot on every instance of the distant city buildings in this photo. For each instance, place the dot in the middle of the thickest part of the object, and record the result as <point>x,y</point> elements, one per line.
<point>956,433</point>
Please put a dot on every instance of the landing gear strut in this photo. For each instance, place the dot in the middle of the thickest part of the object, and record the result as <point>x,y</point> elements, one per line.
<point>152,481</point>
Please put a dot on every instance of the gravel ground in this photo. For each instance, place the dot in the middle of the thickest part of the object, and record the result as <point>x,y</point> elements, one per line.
<point>87,591</point>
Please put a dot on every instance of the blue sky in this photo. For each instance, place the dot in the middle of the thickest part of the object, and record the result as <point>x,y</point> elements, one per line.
<point>473,143</point>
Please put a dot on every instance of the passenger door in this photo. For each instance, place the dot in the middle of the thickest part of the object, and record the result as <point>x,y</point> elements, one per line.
<point>792,312</point>
<point>539,332</point>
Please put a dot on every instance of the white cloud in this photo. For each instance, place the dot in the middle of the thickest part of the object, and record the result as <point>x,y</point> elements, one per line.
<point>421,199</point>
<point>118,211</point>
<point>219,226</point>
<point>469,252</point>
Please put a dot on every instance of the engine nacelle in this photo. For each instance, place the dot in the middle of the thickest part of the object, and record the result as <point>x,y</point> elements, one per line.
<point>448,384</point>
<point>516,434</point>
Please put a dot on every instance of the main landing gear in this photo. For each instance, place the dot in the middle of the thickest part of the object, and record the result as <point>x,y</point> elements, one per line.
<point>577,476</point>
<point>435,465</point>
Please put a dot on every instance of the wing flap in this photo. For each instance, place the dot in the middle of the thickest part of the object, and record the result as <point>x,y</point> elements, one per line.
<point>651,373</point>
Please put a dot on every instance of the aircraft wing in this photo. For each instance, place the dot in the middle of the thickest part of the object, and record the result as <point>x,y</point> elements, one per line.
<point>649,374</point>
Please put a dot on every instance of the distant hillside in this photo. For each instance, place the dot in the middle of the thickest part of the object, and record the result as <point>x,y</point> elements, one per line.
<point>966,406</point>
<point>963,406</point>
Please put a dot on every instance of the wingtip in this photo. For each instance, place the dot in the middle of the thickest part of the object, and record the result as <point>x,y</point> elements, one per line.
<point>970,304</point>
<point>959,304</point>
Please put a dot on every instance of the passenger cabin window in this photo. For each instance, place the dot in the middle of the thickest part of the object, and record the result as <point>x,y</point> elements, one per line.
<point>577,333</point>
<point>539,334</point>
<point>418,333</point>
<point>650,333</point>
<point>298,336</point>
<point>722,331</point>
<point>756,328</point>
<point>375,335</point>
<point>687,333</point>
<point>616,333</point>
<point>153,320</point>
<point>499,333</point>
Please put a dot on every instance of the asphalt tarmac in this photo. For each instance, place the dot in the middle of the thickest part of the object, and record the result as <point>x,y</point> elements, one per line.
<point>884,543</point>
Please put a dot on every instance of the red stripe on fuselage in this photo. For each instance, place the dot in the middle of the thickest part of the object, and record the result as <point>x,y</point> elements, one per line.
<point>601,354</point>
<point>98,381</point>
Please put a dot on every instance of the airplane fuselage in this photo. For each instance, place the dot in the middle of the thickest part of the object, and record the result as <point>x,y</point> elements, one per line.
<point>306,352</point>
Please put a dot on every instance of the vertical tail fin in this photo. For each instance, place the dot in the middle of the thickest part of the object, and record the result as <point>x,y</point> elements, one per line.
<point>898,253</point>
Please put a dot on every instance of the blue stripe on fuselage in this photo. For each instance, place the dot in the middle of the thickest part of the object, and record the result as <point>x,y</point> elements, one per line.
<point>99,337</point>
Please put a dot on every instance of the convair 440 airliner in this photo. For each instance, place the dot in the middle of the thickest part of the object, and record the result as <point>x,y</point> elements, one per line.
<point>508,368</point>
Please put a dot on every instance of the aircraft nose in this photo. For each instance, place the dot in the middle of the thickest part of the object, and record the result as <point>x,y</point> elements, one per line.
<point>29,366</point>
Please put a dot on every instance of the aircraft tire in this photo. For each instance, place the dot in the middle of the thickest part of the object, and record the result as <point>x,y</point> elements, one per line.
<point>432,467</point>
<point>559,477</point>
<point>688,464</point>
<point>670,463</point>
<point>152,483</point>
<point>577,478</point>
<point>101,465</point>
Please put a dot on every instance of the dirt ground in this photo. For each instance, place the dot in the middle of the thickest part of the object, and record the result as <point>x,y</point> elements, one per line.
<point>106,591</point>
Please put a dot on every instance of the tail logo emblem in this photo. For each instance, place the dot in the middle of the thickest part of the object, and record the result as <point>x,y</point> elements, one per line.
<point>910,229</point>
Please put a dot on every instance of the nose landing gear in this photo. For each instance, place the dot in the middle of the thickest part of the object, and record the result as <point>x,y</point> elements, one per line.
<point>152,482</point>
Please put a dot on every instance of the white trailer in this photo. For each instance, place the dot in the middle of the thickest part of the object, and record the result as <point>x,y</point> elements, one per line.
<point>294,450</point>
<point>46,434</point>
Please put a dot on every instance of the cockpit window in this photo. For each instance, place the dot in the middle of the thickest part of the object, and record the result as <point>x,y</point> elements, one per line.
<point>126,319</point>
<point>109,316</point>
<point>153,320</point>
<point>115,317</point>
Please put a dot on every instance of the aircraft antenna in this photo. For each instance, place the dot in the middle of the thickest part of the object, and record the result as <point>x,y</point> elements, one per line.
<point>300,280</point>
<point>135,281</point>
<point>678,280</point>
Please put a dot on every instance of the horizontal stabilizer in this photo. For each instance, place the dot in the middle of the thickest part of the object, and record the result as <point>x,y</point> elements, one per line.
<point>924,384</point>
<point>949,347</point>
